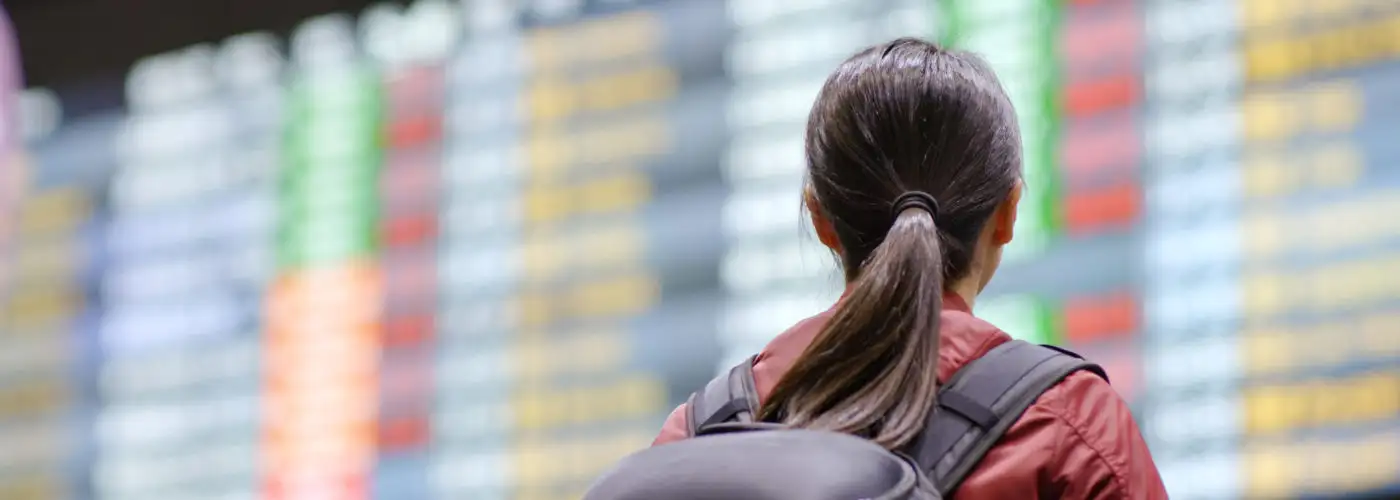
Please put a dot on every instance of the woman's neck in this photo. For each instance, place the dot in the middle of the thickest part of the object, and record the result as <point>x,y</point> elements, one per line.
<point>967,289</point>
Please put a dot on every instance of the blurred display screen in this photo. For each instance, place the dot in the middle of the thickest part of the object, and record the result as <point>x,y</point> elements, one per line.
<point>481,249</point>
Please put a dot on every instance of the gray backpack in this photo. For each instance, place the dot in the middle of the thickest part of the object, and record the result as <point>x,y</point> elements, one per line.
<point>735,458</point>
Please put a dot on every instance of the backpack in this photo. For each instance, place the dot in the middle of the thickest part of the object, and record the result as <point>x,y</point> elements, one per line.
<point>732,457</point>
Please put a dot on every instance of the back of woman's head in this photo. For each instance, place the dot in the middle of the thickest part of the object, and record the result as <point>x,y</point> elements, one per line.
<point>898,118</point>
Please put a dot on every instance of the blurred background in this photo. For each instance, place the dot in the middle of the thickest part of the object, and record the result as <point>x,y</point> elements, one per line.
<point>478,249</point>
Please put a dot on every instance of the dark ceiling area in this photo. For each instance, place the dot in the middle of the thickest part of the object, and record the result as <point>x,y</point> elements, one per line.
<point>68,43</point>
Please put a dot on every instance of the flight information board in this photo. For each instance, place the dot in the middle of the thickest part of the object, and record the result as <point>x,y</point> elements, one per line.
<point>1272,365</point>
<point>481,249</point>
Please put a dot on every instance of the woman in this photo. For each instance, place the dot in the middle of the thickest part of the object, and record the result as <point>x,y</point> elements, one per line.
<point>928,134</point>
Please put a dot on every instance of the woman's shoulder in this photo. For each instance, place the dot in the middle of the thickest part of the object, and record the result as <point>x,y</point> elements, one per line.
<point>1077,441</point>
<point>1098,446</point>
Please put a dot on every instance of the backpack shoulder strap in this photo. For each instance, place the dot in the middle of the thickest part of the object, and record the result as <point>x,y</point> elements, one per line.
<point>978,404</point>
<point>730,397</point>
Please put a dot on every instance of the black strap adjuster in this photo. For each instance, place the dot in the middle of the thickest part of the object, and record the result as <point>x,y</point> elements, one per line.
<point>969,409</point>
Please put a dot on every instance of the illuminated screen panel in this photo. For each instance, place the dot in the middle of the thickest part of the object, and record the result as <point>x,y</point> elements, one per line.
<point>414,78</point>
<point>1318,175</point>
<point>325,309</point>
<point>1266,349</point>
<point>1073,71</point>
<point>619,231</point>
<point>479,259</point>
<point>581,239</point>
<point>52,257</point>
<point>1191,297</point>
<point>188,251</point>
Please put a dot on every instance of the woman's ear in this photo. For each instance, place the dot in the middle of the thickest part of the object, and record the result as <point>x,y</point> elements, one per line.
<point>1004,219</point>
<point>826,232</point>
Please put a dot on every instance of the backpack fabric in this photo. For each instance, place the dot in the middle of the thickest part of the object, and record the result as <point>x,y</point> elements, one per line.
<point>734,457</point>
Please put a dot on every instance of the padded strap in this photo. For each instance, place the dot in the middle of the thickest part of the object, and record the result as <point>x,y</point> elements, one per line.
<point>981,402</point>
<point>730,397</point>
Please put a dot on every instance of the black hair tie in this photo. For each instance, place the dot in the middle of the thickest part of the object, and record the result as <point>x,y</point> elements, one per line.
<point>914,199</point>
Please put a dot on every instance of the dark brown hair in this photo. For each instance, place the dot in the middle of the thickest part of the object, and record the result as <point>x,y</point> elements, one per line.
<point>902,116</point>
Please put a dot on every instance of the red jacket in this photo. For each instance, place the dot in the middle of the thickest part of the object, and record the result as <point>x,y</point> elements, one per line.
<point>1077,441</point>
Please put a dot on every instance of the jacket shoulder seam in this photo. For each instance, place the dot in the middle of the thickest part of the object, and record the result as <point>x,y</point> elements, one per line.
<point>1119,476</point>
<point>986,345</point>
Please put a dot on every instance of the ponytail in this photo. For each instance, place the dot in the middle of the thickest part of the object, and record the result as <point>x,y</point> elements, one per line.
<point>901,115</point>
<point>872,371</point>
